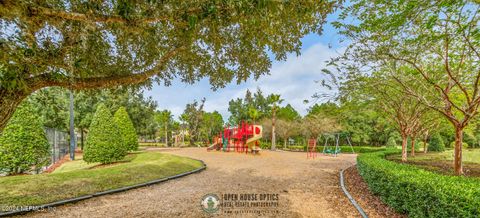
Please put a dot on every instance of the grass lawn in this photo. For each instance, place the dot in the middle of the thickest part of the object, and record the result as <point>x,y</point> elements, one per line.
<point>76,178</point>
<point>443,161</point>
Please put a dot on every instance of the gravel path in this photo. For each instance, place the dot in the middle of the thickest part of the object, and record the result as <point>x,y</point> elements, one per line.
<point>306,188</point>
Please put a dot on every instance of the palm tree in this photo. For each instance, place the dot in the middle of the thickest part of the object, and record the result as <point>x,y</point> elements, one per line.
<point>253,113</point>
<point>274,100</point>
<point>164,118</point>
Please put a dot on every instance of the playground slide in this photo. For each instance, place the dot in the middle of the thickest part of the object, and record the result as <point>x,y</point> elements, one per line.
<point>251,141</point>
<point>213,146</point>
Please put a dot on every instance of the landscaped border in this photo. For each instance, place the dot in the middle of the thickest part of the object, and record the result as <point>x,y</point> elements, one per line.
<point>418,192</point>
<point>349,196</point>
<point>112,191</point>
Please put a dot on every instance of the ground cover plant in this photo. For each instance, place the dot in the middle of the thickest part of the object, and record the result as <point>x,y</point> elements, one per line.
<point>418,192</point>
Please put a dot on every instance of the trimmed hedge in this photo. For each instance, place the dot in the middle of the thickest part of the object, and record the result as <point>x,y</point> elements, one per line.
<point>343,149</point>
<point>23,143</point>
<point>417,192</point>
<point>126,128</point>
<point>104,142</point>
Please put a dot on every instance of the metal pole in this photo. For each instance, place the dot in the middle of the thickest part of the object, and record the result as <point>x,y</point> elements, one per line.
<point>54,145</point>
<point>72,131</point>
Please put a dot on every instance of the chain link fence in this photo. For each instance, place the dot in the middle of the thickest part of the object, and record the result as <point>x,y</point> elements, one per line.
<point>59,144</point>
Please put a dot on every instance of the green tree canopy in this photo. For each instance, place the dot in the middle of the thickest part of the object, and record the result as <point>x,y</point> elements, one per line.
<point>430,48</point>
<point>193,117</point>
<point>94,44</point>
<point>288,113</point>
<point>127,131</point>
<point>252,107</point>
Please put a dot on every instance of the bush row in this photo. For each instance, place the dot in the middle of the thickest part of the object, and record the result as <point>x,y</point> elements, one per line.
<point>109,141</point>
<point>417,192</point>
<point>343,149</point>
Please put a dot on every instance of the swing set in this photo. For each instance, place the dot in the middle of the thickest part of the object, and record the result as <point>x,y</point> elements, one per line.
<point>330,149</point>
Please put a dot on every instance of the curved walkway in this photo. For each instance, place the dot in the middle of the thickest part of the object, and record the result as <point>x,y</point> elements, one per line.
<point>306,188</point>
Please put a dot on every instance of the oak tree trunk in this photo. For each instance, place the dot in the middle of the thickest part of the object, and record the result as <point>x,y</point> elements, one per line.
<point>9,102</point>
<point>457,162</point>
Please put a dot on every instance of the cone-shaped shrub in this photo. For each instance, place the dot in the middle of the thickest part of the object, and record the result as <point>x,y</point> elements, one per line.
<point>23,143</point>
<point>126,128</point>
<point>436,143</point>
<point>104,142</point>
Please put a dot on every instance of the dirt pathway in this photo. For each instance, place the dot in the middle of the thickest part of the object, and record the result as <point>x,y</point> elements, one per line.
<point>305,188</point>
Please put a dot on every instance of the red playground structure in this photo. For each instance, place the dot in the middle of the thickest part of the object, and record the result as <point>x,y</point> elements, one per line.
<point>244,138</point>
<point>312,148</point>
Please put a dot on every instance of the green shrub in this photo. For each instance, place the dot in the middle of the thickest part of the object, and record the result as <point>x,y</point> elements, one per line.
<point>469,139</point>
<point>391,143</point>
<point>356,149</point>
<point>464,145</point>
<point>266,145</point>
<point>104,143</point>
<point>23,144</point>
<point>436,143</point>
<point>126,128</point>
<point>416,146</point>
<point>297,148</point>
<point>417,192</point>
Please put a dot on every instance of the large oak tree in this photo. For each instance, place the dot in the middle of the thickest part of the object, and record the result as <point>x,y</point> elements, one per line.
<point>93,44</point>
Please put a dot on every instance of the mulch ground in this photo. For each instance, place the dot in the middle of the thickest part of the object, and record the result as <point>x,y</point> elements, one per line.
<point>57,164</point>
<point>305,188</point>
<point>371,204</point>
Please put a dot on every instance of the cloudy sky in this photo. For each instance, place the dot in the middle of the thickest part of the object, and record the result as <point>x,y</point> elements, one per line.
<point>294,79</point>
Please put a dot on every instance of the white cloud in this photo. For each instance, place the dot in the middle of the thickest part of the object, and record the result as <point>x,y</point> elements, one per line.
<point>294,79</point>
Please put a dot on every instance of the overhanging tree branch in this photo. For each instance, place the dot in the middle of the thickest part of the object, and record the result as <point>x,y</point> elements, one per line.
<point>45,80</point>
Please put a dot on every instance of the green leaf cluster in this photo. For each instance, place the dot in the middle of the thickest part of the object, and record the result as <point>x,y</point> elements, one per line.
<point>104,142</point>
<point>417,192</point>
<point>23,143</point>
<point>126,128</point>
